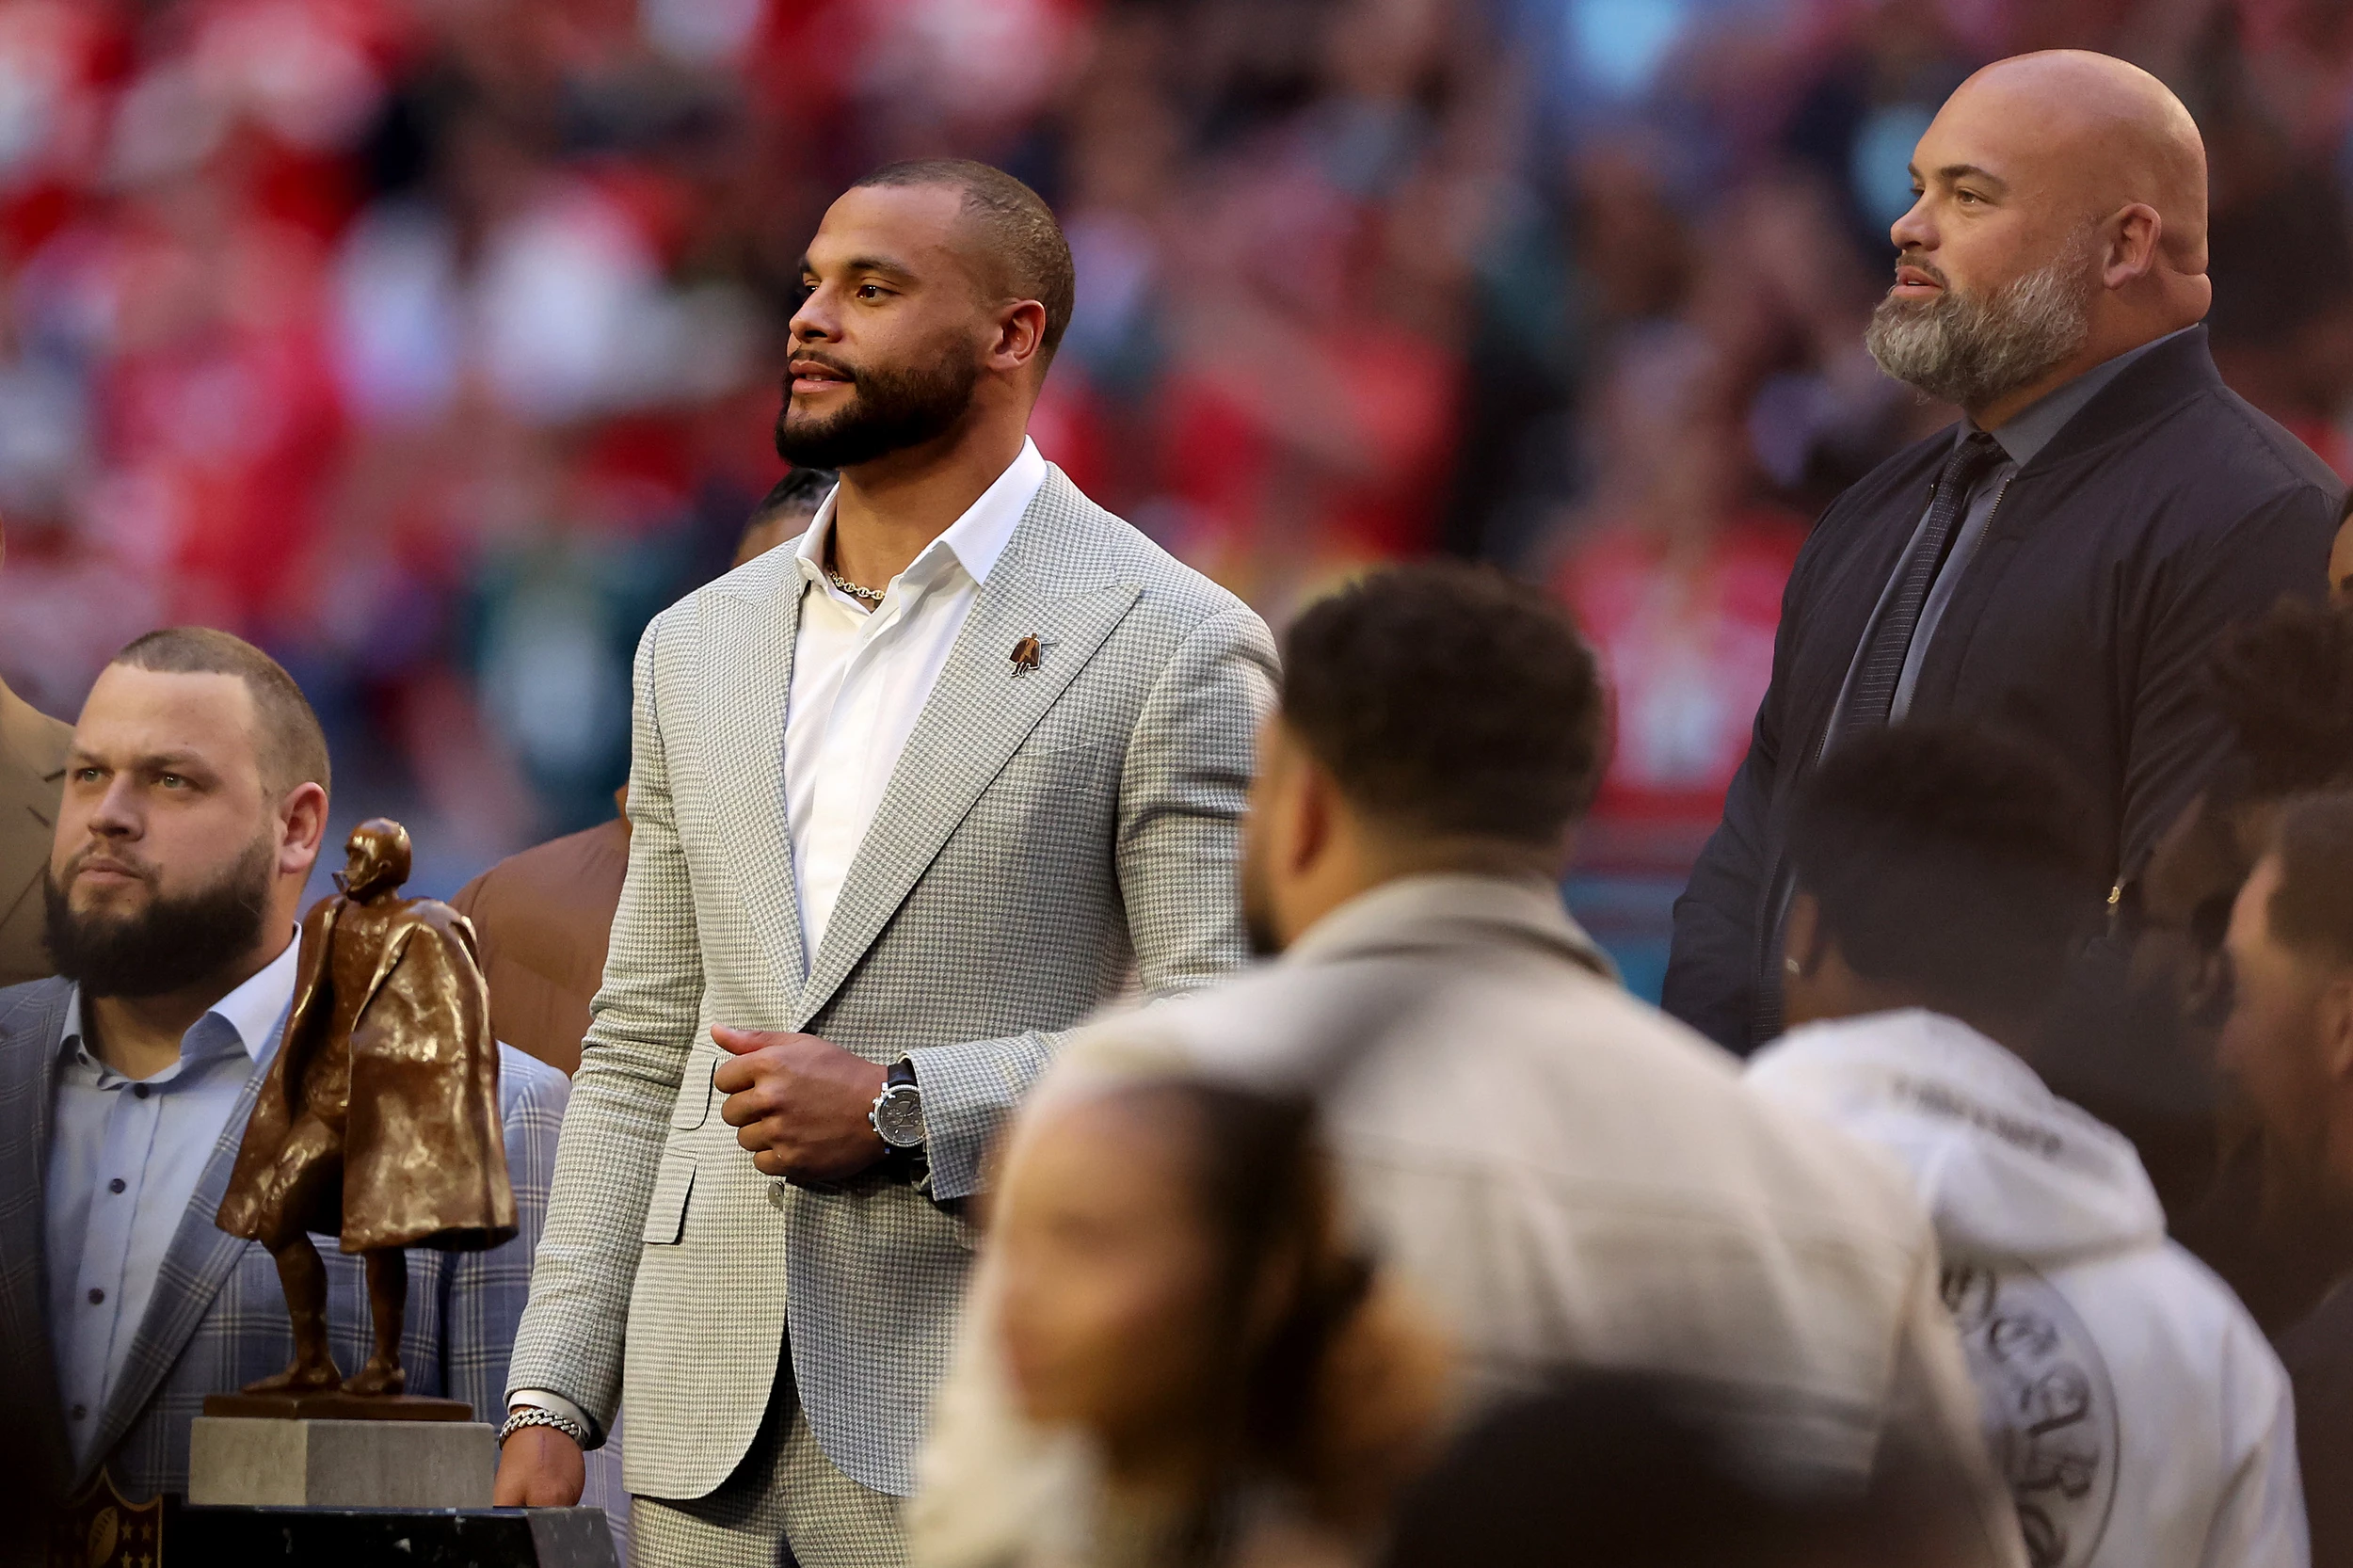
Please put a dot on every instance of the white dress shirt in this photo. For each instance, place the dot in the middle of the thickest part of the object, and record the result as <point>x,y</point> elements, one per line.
<point>860,678</point>
<point>124,1158</point>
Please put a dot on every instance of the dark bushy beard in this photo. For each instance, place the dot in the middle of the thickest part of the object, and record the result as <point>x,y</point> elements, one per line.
<point>891,410</point>
<point>1973,350</point>
<point>171,944</point>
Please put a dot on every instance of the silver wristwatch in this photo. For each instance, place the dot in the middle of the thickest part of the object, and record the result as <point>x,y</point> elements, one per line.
<point>897,1117</point>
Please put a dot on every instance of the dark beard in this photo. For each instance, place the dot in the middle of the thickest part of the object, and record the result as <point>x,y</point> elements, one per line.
<point>171,945</point>
<point>892,410</point>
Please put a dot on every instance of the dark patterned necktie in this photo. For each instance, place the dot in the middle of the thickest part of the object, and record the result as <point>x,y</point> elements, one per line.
<point>1871,694</point>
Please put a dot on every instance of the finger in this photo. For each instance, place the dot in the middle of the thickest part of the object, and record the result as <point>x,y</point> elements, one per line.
<point>754,1136</point>
<point>733,1076</point>
<point>743,1109</point>
<point>768,1162</point>
<point>743,1041</point>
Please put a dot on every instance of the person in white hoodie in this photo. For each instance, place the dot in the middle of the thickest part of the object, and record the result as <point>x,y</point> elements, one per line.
<point>1942,875</point>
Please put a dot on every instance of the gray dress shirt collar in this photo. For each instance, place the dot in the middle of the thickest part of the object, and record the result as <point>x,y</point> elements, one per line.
<point>2032,428</point>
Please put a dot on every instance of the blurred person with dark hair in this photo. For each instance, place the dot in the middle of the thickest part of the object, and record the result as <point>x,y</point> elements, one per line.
<point>2133,1037</point>
<point>2064,558</point>
<point>1633,1470</point>
<point>909,800</point>
<point>2137,1037</point>
<point>545,914</point>
<point>1229,1380</point>
<point>195,800</point>
<point>32,770</point>
<point>1943,878</point>
<point>2287,1047</point>
<point>785,512</point>
<point>1565,1176</point>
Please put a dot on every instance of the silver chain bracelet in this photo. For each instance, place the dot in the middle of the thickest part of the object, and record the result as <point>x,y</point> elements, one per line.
<point>537,1418</point>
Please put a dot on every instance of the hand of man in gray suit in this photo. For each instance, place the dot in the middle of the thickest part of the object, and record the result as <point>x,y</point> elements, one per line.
<point>799,1103</point>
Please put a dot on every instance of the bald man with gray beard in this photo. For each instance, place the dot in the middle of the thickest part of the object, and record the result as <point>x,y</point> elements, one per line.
<point>2059,562</point>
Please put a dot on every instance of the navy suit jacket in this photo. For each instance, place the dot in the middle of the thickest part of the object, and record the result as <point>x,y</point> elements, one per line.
<point>2165,511</point>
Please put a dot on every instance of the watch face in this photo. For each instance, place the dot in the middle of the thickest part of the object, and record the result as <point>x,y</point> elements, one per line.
<point>898,1116</point>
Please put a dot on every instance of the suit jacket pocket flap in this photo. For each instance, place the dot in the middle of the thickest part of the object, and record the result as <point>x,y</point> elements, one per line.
<point>666,1213</point>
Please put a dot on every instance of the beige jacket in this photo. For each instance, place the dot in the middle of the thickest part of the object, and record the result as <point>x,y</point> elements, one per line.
<point>1569,1176</point>
<point>32,772</point>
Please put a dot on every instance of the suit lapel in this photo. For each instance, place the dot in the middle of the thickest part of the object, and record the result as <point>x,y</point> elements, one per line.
<point>28,1055</point>
<point>196,1265</point>
<point>977,715</point>
<point>749,657</point>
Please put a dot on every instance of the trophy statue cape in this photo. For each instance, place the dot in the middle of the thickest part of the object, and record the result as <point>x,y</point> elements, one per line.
<point>412,1089</point>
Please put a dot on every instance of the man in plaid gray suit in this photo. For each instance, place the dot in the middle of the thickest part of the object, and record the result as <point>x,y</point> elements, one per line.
<point>195,799</point>
<point>910,796</point>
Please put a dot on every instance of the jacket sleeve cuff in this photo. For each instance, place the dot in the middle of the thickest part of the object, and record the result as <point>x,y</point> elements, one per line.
<point>555,1404</point>
<point>968,1089</point>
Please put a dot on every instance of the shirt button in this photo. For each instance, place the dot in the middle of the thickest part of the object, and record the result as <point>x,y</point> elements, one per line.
<point>141,1089</point>
<point>116,1185</point>
<point>97,1297</point>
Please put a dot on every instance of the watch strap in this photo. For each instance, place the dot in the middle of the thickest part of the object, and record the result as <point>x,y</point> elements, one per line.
<point>900,1077</point>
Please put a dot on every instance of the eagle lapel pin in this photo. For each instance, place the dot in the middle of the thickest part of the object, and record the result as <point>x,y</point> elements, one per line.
<point>1025,655</point>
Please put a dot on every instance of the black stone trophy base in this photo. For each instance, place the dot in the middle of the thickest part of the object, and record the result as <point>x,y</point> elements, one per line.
<point>389,1537</point>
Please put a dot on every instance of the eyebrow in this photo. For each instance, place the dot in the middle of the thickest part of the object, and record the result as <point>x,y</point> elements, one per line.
<point>1950,173</point>
<point>881,264</point>
<point>183,762</point>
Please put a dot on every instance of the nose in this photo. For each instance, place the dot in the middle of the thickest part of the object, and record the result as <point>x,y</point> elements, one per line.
<point>117,815</point>
<point>1913,231</point>
<point>814,322</point>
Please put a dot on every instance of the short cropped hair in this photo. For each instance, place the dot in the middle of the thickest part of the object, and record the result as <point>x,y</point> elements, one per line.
<point>289,745</point>
<point>1024,237</point>
<point>1449,699</point>
<point>1952,861</point>
<point>2283,684</point>
<point>799,493</point>
<point>2312,909</point>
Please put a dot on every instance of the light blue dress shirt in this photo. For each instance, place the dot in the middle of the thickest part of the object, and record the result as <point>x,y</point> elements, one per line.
<point>124,1158</point>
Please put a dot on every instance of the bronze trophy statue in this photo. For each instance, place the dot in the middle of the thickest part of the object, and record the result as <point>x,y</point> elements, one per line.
<point>377,1122</point>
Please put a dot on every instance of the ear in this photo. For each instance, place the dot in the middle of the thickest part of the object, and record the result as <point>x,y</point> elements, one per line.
<point>2335,1018</point>
<point>302,817</point>
<point>1314,814</point>
<point>2133,236</point>
<point>1811,971</point>
<point>1804,943</point>
<point>1020,335</point>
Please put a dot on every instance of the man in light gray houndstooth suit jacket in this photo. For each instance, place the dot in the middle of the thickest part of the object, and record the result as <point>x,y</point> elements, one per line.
<point>910,796</point>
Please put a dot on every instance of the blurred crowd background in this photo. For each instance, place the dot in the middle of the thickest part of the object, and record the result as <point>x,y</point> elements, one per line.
<point>434,343</point>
